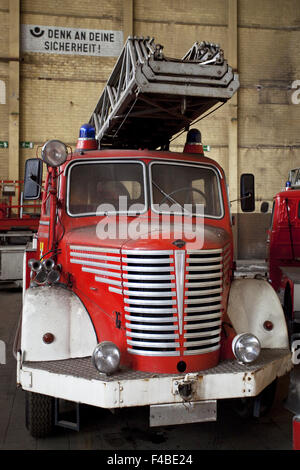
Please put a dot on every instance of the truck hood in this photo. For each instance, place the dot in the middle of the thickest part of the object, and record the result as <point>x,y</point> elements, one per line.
<point>142,236</point>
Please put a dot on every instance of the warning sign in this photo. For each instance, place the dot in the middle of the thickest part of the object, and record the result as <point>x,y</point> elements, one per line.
<point>73,41</point>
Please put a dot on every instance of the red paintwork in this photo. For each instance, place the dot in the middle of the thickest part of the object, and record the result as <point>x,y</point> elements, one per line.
<point>10,213</point>
<point>280,251</point>
<point>296,433</point>
<point>102,304</point>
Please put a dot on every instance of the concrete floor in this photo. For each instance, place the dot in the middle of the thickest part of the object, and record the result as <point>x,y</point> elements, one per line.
<point>128,429</point>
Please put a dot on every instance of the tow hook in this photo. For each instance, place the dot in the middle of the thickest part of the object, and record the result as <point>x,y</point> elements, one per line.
<point>186,387</point>
<point>185,390</point>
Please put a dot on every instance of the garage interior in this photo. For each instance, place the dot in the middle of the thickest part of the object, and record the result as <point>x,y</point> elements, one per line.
<point>49,95</point>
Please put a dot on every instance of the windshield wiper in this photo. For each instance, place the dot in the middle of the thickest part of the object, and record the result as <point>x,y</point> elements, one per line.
<point>170,197</point>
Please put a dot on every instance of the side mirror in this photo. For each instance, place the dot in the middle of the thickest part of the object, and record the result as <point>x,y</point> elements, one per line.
<point>33,178</point>
<point>247,192</point>
<point>264,207</point>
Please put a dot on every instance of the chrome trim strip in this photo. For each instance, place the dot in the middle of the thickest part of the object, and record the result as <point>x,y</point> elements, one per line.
<point>204,276</point>
<point>94,248</point>
<point>204,284</point>
<point>201,351</point>
<point>150,269</point>
<point>159,311</point>
<point>202,333</point>
<point>148,344</point>
<point>202,317</point>
<point>148,277</point>
<point>204,268</point>
<point>201,342</point>
<point>135,293</point>
<point>115,290</point>
<point>108,281</point>
<point>100,271</point>
<point>203,301</point>
<point>204,252</point>
<point>147,252</point>
<point>44,222</point>
<point>152,335</point>
<point>198,326</point>
<point>204,260</point>
<point>153,353</point>
<point>203,309</point>
<point>151,327</point>
<point>192,293</point>
<point>148,285</point>
<point>147,260</point>
<point>92,256</point>
<point>180,270</point>
<point>150,302</point>
<point>83,262</point>
<point>171,319</point>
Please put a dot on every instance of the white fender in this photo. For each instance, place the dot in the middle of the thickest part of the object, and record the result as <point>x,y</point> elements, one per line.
<point>58,311</point>
<point>251,303</point>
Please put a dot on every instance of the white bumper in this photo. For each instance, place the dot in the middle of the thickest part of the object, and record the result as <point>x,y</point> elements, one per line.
<point>77,380</point>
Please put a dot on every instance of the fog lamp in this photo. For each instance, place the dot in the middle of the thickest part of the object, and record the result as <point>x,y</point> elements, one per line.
<point>246,348</point>
<point>106,357</point>
<point>54,153</point>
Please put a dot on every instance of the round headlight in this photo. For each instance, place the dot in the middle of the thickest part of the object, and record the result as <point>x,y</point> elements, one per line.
<point>54,152</point>
<point>106,357</point>
<point>246,348</point>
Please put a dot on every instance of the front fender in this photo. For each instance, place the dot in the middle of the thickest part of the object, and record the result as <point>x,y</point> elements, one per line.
<point>251,303</point>
<point>58,311</point>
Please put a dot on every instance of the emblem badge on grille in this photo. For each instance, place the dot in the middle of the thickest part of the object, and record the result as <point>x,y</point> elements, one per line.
<point>179,243</point>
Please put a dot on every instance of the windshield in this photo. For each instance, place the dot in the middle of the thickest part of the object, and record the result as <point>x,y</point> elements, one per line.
<point>192,188</point>
<point>100,188</point>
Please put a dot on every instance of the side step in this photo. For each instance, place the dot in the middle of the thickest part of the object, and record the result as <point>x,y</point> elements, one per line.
<point>60,414</point>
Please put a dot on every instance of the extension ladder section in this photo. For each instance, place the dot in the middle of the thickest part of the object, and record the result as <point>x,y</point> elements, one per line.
<point>149,97</point>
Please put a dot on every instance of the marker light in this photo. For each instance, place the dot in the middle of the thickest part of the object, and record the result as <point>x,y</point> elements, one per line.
<point>106,357</point>
<point>54,153</point>
<point>246,348</point>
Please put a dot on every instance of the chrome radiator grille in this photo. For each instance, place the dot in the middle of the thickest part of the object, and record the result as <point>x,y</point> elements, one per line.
<point>166,315</point>
<point>172,298</point>
<point>203,297</point>
<point>150,302</point>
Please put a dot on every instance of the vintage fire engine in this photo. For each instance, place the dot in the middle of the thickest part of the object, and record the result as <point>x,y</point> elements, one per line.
<point>121,309</point>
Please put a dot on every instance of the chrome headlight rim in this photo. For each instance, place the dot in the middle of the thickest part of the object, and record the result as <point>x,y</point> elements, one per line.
<point>246,348</point>
<point>54,153</point>
<point>106,357</point>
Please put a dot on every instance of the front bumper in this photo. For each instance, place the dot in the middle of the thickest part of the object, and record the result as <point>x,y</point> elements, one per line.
<point>77,380</point>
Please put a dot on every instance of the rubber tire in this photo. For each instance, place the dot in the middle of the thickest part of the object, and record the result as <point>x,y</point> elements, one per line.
<point>39,414</point>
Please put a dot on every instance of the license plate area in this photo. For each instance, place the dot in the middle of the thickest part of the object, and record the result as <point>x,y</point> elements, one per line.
<point>182,413</point>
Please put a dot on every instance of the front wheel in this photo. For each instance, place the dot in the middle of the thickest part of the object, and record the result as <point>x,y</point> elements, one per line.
<point>39,414</point>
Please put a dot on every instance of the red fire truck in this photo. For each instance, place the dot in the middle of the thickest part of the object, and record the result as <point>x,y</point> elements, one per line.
<point>122,307</point>
<point>284,248</point>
